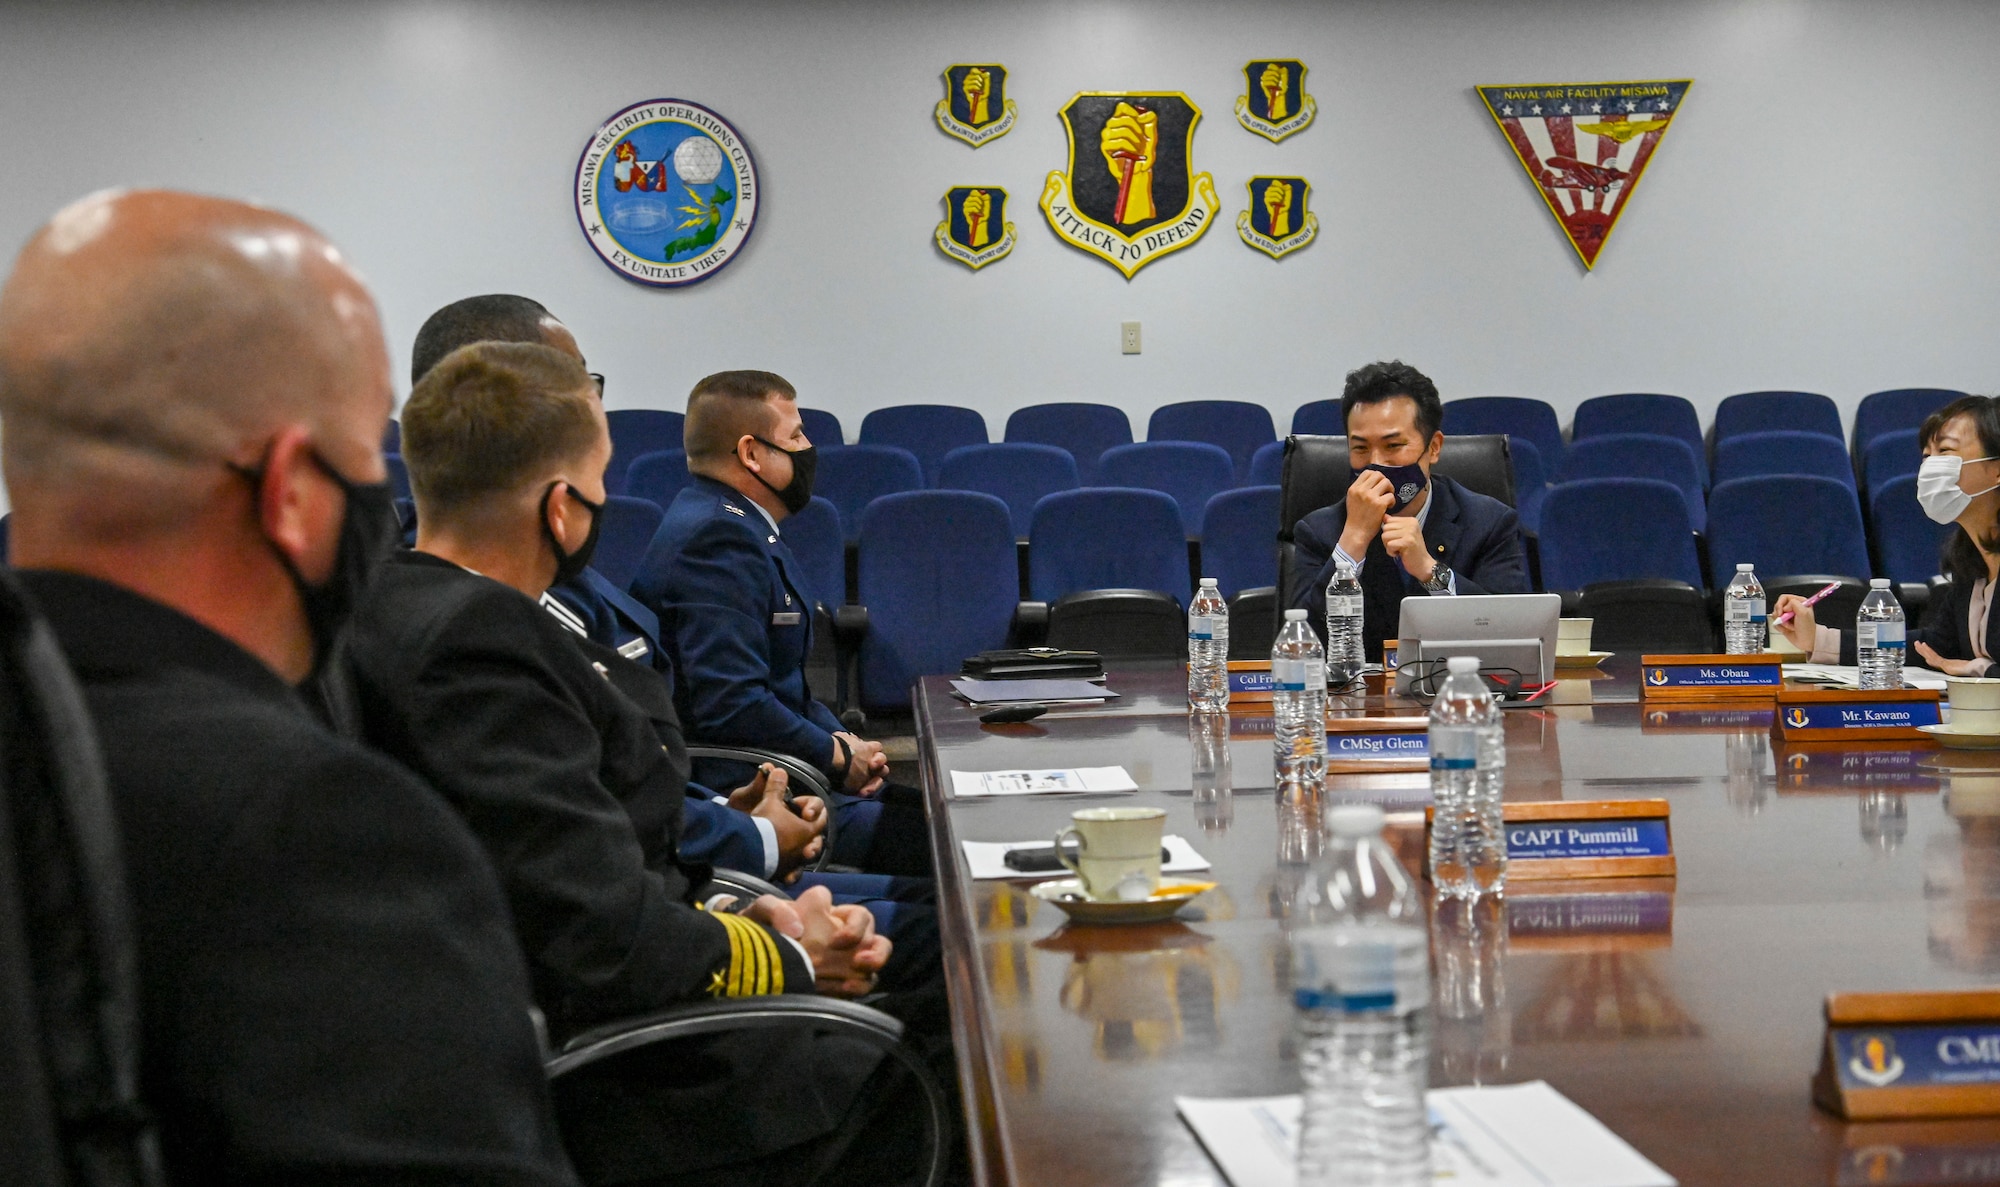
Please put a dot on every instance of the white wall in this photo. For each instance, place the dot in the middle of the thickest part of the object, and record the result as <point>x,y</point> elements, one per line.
<point>1820,216</point>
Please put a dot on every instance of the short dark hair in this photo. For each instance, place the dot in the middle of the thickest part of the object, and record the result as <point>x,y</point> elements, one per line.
<point>495,317</point>
<point>726,405</point>
<point>492,416</point>
<point>1960,557</point>
<point>1377,382</point>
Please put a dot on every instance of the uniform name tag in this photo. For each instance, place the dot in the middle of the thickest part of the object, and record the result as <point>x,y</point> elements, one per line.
<point>786,618</point>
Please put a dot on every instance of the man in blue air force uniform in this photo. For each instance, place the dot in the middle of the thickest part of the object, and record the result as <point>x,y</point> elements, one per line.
<point>1413,533</point>
<point>737,614</point>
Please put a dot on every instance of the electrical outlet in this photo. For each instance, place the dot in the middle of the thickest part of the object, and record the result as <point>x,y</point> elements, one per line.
<point>1128,337</point>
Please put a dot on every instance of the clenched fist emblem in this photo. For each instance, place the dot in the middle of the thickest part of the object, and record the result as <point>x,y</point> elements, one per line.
<point>1276,85</point>
<point>978,211</point>
<point>977,88</point>
<point>1278,204</point>
<point>1131,145</point>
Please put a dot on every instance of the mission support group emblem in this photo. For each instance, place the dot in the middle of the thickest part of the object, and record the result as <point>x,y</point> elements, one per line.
<point>975,230</point>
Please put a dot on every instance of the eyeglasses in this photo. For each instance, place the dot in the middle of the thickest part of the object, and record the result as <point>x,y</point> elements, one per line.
<point>599,381</point>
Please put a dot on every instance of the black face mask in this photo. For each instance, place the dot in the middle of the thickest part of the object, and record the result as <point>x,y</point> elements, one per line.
<point>369,530</point>
<point>1408,481</point>
<point>570,565</point>
<point>799,491</point>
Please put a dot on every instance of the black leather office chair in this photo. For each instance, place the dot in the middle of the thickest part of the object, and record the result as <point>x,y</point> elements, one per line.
<point>1653,615</point>
<point>1120,624</point>
<point>1316,474</point>
<point>1253,622</point>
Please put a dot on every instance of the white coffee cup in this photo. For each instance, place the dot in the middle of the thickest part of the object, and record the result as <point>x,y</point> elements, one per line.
<point>1573,636</point>
<point>1118,851</point>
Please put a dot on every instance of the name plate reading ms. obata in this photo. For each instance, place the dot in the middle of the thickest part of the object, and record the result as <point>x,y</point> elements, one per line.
<point>1908,1055</point>
<point>1852,715</point>
<point>1554,839</point>
<point>1710,677</point>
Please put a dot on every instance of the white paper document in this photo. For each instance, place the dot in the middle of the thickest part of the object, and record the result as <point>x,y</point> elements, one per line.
<point>1517,1135</point>
<point>988,859</point>
<point>1847,676</point>
<point>968,784</point>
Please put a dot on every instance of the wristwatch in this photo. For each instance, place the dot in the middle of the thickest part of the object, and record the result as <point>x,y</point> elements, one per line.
<point>1440,581</point>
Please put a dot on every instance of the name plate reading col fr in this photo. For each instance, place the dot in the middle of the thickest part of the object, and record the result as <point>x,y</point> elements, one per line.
<point>1555,839</point>
<point>1710,677</point>
<point>1251,682</point>
<point>1855,715</point>
<point>1909,1055</point>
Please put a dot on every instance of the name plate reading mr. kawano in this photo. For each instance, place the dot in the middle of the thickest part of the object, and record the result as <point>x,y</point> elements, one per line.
<point>1907,1055</point>
<point>1549,839</point>
<point>1852,714</point>
<point>1710,677</point>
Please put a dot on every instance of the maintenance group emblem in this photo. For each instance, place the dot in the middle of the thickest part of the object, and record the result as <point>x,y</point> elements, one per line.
<point>975,230</point>
<point>1276,104</point>
<point>1278,222</point>
<point>1130,195</point>
<point>975,107</point>
<point>666,192</point>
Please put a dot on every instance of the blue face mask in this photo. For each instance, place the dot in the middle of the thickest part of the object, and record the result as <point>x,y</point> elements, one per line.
<point>1407,481</point>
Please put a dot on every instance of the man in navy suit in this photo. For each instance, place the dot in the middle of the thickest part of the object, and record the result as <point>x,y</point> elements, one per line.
<point>736,614</point>
<point>1413,533</point>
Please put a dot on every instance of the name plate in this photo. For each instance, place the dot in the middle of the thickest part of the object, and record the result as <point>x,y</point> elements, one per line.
<point>1555,839</point>
<point>1856,765</point>
<point>1712,718</point>
<point>1905,1055</point>
<point>1378,744</point>
<point>1251,682</point>
<point>1847,714</point>
<point>1710,677</point>
<point>1591,922</point>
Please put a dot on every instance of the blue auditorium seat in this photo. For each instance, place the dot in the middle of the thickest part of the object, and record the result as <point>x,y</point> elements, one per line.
<point>1643,412</point>
<point>822,428</point>
<point>1015,472</point>
<point>814,536</point>
<point>1238,426</point>
<point>1777,412</point>
<point>629,526</point>
<point>1890,455</point>
<point>928,431</point>
<point>392,437</point>
<point>659,476</point>
<point>1907,543</point>
<point>1752,454</point>
<point>637,431</point>
<point>1898,408</point>
<point>1192,472</point>
<point>1267,465</point>
<point>1107,538</point>
<point>1512,416</point>
<point>1785,524</point>
<point>1239,542</point>
<point>937,571</point>
<point>399,474</point>
<point>1531,481</point>
<point>1638,455</point>
<point>1086,430</point>
<point>1616,529</point>
<point>853,476</point>
<point>1320,418</point>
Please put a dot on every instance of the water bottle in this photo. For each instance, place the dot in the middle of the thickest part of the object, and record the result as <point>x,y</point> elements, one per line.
<point>1468,774</point>
<point>1743,613</point>
<point>1298,704</point>
<point>1361,981</point>
<point>1878,637</point>
<point>1214,788</point>
<point>1344,656</point>
<point>1208,648</point>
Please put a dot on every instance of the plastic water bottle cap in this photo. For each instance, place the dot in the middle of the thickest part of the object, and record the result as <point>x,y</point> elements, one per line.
<point>1209,583</point>
<point>1459,665</point>
<point>1746,568</point>
<point>1355,820</point>
<point>1295,616</point>
<point>1878,583</point>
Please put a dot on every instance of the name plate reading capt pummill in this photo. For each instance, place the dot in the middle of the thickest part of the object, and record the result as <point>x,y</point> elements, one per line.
<point>1553,839</point>
<point>1710,677</point>
<point>1909,1055</point>
<point>1855,715</point>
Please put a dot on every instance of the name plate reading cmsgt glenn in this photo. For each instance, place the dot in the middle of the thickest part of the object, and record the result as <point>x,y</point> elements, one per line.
<point>1709,677</point>
<point>1843,715</point>
<point>1907,1055</point>
<point>1555,839</point>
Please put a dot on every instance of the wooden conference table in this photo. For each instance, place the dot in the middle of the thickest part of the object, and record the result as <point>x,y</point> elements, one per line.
<point>1683,1012</point>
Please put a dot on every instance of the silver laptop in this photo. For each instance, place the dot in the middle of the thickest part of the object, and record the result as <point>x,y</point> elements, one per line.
<point>1515,631</point>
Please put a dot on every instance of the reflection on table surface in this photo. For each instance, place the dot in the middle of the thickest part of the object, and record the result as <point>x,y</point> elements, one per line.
<point>1683,1012</point>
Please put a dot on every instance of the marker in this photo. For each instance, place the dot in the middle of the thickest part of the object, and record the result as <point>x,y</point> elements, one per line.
<point>1786,617</point>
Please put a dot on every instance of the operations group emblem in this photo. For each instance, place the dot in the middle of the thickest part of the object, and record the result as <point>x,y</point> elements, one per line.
<point>666,192</point>
<point>1130,194</point>
<point>975,107</point>
<point>1276,104</point>
<point>975,230</point>
<point>1278,222</point>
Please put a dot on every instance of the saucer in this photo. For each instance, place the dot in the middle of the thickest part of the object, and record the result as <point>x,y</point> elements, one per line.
<point>1963,739</point>
<point>1587,659</point>
<point>1169,898</point>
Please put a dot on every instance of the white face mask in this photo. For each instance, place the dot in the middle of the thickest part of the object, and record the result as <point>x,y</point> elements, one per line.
<point>1937,487</point>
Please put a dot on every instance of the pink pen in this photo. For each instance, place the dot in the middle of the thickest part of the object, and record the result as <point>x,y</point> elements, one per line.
<point>1786,617</point>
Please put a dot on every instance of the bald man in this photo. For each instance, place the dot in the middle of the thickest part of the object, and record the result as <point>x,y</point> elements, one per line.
<point>194,393</point>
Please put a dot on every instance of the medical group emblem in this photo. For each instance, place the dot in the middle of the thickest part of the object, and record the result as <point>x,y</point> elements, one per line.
<point>1278,222</point>
<point>666,192</point>
<point>975,107</point>
<point>975,230</point>
<point>1276,104</point>
<point>1130,195</point>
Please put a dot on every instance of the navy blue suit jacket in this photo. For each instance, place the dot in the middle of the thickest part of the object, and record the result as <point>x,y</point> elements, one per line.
<point>1479,537</point>
<point>736,620</point>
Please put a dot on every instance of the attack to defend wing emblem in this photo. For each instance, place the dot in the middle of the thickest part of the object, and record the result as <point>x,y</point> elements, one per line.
<point>1130,194</point>
<point>975,230</point>
<point>1276,104</point>
<point>1278,222</point>
<point>666,192</point>
<point>975,107</point>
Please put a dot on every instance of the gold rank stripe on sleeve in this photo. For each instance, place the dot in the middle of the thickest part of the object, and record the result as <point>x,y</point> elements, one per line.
<point>756,968</point>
